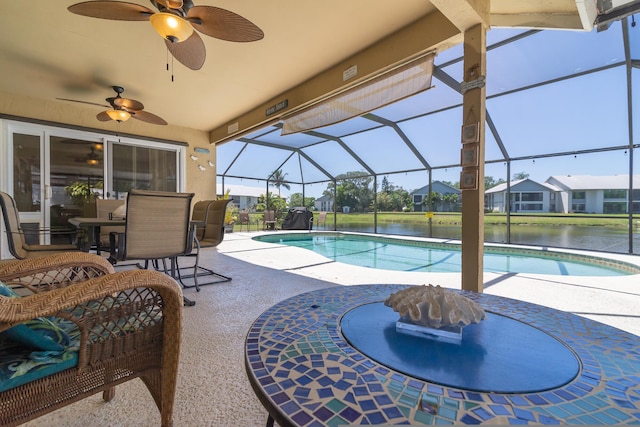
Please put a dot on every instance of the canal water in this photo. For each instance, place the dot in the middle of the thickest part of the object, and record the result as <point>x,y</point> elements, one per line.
<point>603,239</point>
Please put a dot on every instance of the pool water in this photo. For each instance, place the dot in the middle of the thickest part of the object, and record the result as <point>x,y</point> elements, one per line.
<point>422,256</point>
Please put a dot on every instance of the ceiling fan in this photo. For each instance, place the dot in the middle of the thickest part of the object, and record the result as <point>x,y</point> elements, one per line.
<point>175,22</point>
<point>122,109</point>
<point>92,158</point>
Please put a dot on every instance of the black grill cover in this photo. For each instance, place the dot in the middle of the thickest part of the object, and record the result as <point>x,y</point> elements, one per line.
<point>298,219</point>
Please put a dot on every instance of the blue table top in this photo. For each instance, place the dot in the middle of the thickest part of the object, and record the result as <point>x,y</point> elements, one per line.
<point>307,374</point>
<point>499,354</point>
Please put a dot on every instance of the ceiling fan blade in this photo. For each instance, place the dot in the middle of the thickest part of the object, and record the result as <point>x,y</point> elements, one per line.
<point>191,53</point>
<point>171,4</point>
<point>128,104</point>
<point>83,102</point>
<point>223,24</point>
<point>103,117</point>
<point>148,117</point>
<point>120,11</point>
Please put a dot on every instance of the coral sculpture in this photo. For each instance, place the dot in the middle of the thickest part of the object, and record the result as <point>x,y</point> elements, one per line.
<point>435,307</point>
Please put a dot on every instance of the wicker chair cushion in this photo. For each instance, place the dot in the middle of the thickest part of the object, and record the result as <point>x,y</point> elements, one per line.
<point>55,343</point>
<point>40,333</point>
<point>20,365</point>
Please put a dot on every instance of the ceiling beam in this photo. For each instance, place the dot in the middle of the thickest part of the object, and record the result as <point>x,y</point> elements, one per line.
<point>432,31</point>
<point>550,21</point>
<point>465,14</point>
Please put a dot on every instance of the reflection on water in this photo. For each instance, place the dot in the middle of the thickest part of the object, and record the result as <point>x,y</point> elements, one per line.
<point>605,239</point>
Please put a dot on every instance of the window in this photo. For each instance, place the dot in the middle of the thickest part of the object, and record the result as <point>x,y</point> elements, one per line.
<point>578,207</point>
<point>614,207</point>
<point>531,206</point>
<point>579,195</point>
<point>26,172</point>
<point>143,168</point>
<point>56,171</point>
<point>615,194</point>
<point>531,197</point>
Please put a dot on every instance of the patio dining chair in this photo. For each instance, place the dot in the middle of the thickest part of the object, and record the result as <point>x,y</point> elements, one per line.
<point>199,216</point>
<point>243,219</point>
<point>157,228</point>
<point>17,242</point>
<point>322,218</point>
<point>208,235</point>
<point>105,208</point>
<point>270,221</point>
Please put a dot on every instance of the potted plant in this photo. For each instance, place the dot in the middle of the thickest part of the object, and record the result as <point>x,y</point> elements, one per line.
<point>84,196</point>
<point>231,214</point>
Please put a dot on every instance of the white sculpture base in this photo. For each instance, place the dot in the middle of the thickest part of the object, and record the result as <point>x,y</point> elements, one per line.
<point>452,334</point>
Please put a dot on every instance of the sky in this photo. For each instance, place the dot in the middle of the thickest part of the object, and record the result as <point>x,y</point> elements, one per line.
<point>586,112</point>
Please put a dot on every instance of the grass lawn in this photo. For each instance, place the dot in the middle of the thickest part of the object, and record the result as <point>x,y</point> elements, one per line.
<point>453,218</point>
<point>489,219</point>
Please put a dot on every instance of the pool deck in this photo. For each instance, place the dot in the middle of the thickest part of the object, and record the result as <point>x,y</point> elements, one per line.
<point>611,300</point>
<point>607,390</point>
<point>213,388</point>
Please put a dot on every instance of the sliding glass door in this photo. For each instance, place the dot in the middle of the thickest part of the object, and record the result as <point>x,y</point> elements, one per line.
<point>142,168</point>
<point>27,185</point>
<point>56,174</point>
<point>75,178</point>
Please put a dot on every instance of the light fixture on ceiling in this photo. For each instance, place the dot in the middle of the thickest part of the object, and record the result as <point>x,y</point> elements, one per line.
<point>171,27</point>
<point>119,115</point>
<point>177,21</point>
<point>93,158</point>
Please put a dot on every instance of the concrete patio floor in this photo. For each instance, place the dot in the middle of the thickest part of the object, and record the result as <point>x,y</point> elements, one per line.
<point>213,389</point>
<point>610,300</point>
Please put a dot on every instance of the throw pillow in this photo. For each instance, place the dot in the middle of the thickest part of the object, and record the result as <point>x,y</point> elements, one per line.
<point>120,211</point>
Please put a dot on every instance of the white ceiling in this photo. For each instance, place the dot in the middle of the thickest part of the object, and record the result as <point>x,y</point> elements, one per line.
<point>46,52</point>
<point>51,53</point>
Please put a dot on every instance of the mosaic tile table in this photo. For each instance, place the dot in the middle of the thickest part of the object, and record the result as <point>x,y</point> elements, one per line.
<point>306,374</point>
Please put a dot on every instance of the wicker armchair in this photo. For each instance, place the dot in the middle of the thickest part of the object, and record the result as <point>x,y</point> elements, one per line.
<point>128,326</point>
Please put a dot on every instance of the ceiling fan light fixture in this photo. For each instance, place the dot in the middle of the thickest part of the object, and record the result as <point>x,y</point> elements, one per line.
<point>119,115</point>
<point>171,27</point>
<point>92,162</point>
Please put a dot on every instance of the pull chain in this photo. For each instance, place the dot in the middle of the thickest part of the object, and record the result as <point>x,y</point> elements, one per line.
<point>171,64</point>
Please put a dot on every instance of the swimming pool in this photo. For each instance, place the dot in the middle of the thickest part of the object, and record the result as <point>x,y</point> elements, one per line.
<point>423,256</point>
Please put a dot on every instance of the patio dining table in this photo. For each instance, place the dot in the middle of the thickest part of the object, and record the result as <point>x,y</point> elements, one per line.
<point>91,226</point>
<point>334,357</point>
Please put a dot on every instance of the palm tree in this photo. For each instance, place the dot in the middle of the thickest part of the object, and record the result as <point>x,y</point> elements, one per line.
<point>278,180</point>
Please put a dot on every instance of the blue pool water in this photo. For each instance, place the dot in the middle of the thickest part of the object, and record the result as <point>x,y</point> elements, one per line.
<point>421,256</point>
